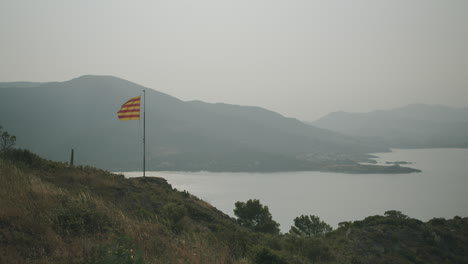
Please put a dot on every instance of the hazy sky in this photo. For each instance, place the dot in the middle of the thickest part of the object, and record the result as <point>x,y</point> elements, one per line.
<point>302,58</point>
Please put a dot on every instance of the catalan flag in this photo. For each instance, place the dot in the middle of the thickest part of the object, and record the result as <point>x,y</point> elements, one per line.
<point>130,110</point>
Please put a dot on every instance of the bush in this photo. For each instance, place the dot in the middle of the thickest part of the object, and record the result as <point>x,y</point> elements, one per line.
<point>23,156</point>
<point>7,141</point>
<point>175,213</point>
<point>311,249</point>
<point>437,221</point>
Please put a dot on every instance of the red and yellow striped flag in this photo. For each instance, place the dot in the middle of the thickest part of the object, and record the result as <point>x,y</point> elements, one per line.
<point>130,110</point>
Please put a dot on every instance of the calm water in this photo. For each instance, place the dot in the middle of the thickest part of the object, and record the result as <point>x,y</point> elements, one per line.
<point>441,190</point>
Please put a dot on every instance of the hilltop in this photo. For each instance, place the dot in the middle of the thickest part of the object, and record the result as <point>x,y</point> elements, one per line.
<point>53,213</point>
<point>51,118</point>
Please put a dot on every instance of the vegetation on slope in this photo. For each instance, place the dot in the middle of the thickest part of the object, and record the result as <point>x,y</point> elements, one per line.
<point>53,213</point>
<point>396,238</point>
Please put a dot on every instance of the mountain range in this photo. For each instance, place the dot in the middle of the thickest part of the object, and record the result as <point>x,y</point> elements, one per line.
<point>52,118</point>
<point>412,126</point>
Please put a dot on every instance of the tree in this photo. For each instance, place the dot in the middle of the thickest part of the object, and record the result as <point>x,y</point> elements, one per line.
<point>255,216</point>
<point>7,141</point>
<point>310,226</point>
<point>395,214</point>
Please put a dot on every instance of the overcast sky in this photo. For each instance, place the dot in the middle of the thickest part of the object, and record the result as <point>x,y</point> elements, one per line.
<point>301,58</point>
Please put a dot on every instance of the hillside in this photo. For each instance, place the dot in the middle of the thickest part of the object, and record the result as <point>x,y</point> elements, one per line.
<point>53,213</point>
<point>413,126</point>
<point>52,118</point>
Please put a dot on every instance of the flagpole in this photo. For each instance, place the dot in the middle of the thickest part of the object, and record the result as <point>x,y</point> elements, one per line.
<point>144,133</point>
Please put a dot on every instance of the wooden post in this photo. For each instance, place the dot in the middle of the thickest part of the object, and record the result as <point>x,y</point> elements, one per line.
<point>72,157</point>
<point>144,133</point>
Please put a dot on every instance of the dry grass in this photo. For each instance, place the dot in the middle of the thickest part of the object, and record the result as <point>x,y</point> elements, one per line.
<point>57,214</point>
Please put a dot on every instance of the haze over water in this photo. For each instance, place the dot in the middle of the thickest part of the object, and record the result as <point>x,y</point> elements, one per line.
<point>440,190</point>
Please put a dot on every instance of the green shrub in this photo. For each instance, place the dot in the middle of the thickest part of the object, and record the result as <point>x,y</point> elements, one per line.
<point>437,221</point>
<point>310,248</point>
<point>175,213</point>
<point>22,156</point>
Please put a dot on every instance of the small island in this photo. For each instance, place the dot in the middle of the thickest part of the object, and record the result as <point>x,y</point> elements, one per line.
<point>398,162</point>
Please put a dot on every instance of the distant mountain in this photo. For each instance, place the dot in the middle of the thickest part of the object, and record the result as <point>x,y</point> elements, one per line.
<point>412,126</point>
<point>19,84</point>
<point>52,118</point>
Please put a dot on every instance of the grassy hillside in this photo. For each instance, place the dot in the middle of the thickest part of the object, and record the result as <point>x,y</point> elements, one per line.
<point>53,213</point>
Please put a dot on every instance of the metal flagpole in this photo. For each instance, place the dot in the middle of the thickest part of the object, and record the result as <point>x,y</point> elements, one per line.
<point>144,132</point>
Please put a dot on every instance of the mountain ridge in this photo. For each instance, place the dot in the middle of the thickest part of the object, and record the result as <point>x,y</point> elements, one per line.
<point>411,126</point>
<point>54,117</point>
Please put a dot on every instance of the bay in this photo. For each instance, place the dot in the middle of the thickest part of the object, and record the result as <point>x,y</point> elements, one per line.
<point>440,190</point>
